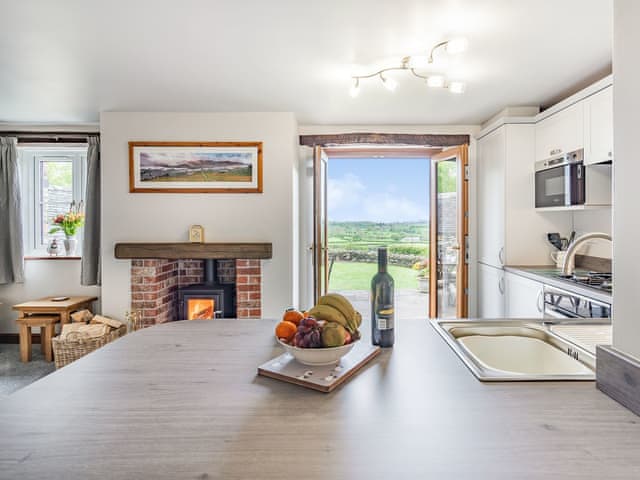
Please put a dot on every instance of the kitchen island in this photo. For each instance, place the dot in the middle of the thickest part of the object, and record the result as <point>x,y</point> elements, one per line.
<point>182,400</point>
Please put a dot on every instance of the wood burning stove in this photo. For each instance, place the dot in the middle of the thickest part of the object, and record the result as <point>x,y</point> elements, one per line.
<point>208,300</point>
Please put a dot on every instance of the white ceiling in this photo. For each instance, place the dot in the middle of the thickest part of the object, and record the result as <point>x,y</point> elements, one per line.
<point>66,60</point>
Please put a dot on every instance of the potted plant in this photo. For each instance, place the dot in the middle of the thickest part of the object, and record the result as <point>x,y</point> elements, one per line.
<point>422,267</point>
<point>69,223</point>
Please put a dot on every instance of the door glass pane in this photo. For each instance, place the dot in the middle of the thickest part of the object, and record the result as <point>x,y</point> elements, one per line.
<point>447,237</point>
<point>56,192</point>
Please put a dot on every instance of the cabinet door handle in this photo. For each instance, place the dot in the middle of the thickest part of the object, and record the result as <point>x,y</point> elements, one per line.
<point>501,285</point>
<point>501,255</point>
<point>539,301</point>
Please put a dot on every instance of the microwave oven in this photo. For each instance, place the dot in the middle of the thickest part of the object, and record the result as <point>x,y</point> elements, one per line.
<point>560,181</point>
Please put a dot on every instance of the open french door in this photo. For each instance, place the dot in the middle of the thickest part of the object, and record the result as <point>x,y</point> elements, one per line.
<point>320,247</point>
<point>449,227</point>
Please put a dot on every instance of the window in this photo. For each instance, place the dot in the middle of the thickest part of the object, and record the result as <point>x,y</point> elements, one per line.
<point>52,178</point>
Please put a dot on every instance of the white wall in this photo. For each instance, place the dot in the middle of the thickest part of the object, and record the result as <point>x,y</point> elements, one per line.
<point>268,217</point>
<point>597,220</point>
<point>626,227</point>
<point>306,195</point>
<point>43,278</point>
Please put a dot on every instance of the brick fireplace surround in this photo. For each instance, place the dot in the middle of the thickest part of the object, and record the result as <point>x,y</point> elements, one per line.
<point>155,283</point>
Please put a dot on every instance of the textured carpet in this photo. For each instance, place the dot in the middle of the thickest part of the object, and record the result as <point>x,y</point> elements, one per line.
<point>14,374</point>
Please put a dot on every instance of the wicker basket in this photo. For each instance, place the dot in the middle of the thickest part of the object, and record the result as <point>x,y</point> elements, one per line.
<point>67,351</point>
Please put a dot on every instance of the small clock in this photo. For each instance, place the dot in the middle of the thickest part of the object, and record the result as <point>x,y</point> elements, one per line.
<point>196,234</point>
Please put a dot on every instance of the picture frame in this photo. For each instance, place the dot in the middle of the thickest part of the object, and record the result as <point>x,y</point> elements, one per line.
<point>195,167</point>
<point>196,234</point>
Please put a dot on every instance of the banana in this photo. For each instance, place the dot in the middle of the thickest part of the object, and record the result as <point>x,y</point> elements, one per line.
<point>340,303</point>
<point>328,313</point>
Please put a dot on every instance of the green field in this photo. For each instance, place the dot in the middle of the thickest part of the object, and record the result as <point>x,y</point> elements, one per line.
<point>357,276</point>
<point>406,238</point>
<point>410,238</point>
<point>203,177</point>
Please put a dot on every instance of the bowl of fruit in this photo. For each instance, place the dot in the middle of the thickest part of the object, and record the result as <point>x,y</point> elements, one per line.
<point>322,335</point>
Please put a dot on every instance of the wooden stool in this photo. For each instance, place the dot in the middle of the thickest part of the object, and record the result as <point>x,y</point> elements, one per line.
<point>46,324</point>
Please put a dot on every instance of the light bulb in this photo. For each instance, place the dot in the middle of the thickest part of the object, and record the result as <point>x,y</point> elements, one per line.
<point>457,87</point>
<point>355,88</point>
<point>435,81</point>
<point>389,83</point>
<point>457,45</point>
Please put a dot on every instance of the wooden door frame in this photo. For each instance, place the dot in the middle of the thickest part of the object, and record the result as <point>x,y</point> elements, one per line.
<point>462,278</point>
<point>320,233</point>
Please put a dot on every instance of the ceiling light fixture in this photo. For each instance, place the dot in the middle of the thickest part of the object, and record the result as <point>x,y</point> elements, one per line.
<point>410,63</point>
<point>389,83</point>
<point>457,87</point>
<point>355,89</point>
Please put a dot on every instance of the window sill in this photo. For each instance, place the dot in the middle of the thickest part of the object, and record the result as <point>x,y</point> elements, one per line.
<point>52,257</point>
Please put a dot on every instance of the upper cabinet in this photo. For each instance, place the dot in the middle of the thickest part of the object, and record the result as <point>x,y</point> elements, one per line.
<point>598,125</point>
<point>587,124</point>
<point>560,133</point>
<point>510,231</point>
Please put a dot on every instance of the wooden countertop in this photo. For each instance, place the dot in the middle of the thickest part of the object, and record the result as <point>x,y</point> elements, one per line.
<point>182,400</point>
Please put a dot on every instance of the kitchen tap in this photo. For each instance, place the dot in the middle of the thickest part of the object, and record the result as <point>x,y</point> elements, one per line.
<point>567,266</point>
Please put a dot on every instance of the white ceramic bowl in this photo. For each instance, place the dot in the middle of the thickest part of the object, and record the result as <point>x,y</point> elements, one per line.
<point>318,356</point>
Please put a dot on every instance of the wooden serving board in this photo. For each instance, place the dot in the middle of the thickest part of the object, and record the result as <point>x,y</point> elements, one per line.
<point>321,378</point>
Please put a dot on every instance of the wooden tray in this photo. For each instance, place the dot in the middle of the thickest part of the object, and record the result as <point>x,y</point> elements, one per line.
<point>322,378</point>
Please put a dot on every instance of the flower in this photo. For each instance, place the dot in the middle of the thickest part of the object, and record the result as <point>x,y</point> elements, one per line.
<point>70,221</point>
<point>422,266</point>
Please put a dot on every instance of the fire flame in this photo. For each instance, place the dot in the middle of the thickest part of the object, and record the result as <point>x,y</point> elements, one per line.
<point>200,308</point>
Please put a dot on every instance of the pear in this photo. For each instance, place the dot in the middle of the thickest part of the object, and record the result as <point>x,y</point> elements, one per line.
<point>334,335</point>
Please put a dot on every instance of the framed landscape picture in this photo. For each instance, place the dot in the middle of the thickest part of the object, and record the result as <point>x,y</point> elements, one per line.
<point>195,167</point>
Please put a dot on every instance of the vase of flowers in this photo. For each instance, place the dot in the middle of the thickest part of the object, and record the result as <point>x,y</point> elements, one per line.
<point>422,267</point>
<point>69,223</point>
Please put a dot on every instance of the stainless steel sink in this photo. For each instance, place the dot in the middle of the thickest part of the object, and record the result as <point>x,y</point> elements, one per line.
<point>515,350</point>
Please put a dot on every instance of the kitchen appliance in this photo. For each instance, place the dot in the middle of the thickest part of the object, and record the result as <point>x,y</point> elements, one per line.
<point>559,303</point>
<point>560,181</point>
<point>598,280</point>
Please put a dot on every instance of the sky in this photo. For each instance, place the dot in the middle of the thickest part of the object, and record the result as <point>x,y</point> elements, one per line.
<point>378,189</point>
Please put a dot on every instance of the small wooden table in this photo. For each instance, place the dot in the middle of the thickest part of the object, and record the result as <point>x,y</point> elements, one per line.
<point>47,306</point>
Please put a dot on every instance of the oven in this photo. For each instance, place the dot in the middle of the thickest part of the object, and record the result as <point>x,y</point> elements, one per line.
<point>560,181</point>
<point>560,303</point>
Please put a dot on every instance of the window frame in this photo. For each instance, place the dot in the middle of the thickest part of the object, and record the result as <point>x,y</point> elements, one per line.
<point>30,157</point>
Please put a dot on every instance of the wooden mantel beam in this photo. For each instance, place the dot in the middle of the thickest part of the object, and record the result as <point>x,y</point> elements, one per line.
<point>173,251</point>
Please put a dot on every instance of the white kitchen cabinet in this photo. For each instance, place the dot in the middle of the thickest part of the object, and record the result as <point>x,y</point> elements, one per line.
<point>598,124</point>
<point>510,231</point>
<point>523,297</point>
<point>491,289</point>
<point>560,133</point>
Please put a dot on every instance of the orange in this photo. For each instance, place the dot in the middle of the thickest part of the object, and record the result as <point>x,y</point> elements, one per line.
<point>286,330</point>
<point>292,315</point>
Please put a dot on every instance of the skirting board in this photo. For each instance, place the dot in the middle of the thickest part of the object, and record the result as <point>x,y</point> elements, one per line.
<point>15,338</point>
<point>618,376</point>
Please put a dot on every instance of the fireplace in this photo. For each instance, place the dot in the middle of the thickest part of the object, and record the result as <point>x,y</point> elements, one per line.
<point>209,299</point>
<point>156,286</point>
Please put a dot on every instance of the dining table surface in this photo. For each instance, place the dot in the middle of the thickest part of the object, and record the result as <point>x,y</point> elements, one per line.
<point>183,400</point>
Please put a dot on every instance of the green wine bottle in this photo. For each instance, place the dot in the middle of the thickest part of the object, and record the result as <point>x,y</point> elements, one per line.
<point>382,304</point>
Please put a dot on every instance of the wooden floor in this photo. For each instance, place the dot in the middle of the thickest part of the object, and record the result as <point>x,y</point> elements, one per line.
<point>182,400</point>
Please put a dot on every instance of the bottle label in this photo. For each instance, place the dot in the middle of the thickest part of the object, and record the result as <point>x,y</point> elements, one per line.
<point>384,318</point>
